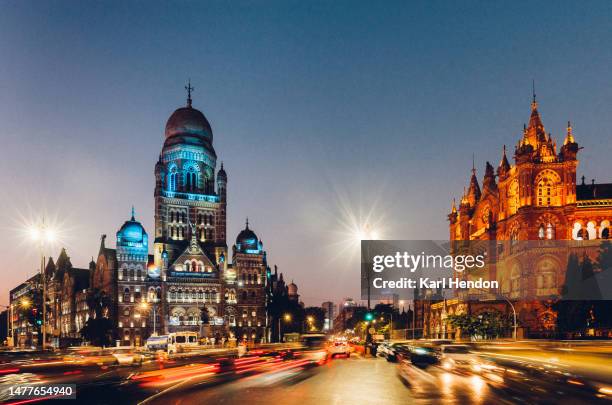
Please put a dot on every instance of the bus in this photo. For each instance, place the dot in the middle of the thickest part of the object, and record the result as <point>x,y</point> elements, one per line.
<point>175,342</point>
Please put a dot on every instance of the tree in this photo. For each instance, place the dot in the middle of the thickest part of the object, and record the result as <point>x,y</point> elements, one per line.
<point>98,328</point>
<point>486,325</point>
<point>318,318</point>
<point>572,309</point>
<point>204,317</point>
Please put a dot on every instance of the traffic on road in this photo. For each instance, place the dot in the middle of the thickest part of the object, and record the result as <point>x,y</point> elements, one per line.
<point>321,370</point>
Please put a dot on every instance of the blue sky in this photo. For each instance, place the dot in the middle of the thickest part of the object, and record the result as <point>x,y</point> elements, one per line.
<point>319,110</point>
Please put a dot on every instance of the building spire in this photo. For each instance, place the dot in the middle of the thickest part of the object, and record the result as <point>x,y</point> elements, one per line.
<point>189,88</point>
<point>569,137</point>
<point>534,103</point>
<point>247,223</point>
<point>473,164</point>
<point>133,213</point>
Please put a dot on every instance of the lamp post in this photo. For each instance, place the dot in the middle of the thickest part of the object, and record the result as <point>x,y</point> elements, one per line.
<point>43,234</point>
<point>287,318</point>
<point>144,305</point>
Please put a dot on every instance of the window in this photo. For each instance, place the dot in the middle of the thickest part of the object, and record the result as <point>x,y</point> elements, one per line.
<point>244,296</point>
<point>546,189</point>
<point>541,231</point>
<point>550,232</point>
<point>172,179</point>
<point>191,179</point>
<point>126,295</point>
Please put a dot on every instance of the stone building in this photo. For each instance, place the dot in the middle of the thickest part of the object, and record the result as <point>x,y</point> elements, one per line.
<point>535,199</point>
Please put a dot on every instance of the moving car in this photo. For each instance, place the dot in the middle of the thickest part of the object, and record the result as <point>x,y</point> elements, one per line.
<point>423,356</point>
<point>459,358</point>
<point>339,347</point>
<point>395,350</point>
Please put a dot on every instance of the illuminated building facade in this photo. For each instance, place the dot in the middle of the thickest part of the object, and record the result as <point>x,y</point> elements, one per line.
<point>187,283</point>
<point>537,198</point>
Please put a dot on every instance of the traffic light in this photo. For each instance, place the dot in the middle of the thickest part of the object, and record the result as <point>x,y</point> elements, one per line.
<point>369,316</point>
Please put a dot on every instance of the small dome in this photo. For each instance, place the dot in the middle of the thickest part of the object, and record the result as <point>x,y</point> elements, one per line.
<point>292,289</point>
<point>247,240</point>
<point>188,121</point>
<point>132,233</point>
<point>221,175</point>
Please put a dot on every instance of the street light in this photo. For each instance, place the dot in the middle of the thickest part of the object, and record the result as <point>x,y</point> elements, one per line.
<point>145,306</point>
<point>287,318</point>
<point>25,303</point>
<point>44,235</point>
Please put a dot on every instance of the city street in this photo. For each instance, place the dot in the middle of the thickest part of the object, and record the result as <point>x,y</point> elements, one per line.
<point>508,372</point>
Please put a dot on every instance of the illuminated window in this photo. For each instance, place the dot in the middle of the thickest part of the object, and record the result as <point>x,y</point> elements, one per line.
<point>172,179</point>
<point>546,189</point>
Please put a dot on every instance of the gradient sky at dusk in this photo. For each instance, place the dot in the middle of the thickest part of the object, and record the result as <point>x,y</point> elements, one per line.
<point>319,110</point>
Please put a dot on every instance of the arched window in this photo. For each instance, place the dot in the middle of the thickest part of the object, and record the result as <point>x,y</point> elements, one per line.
<point>131,274</point>
<point>191,179</point>
<point>172,294</point>
<point>513,197</point>
<point>550,231</point>
<point>541,231</point>
<point>138,274</point>
<point>126,295</point>
<point>172,179</point>
<point>187,266</point>
<point>546,188</point>
<point>244,296</point>
<point>194,266</point>
<point>583,234</point>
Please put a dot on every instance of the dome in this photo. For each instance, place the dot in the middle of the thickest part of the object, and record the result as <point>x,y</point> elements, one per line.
<point>292,289</point>
<point>247,240</point>
<point>132,233</point>
<point>188,121</point>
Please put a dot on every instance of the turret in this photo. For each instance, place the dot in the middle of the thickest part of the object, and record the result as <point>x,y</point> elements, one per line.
<point>474,193</point>
<point>222,184</point>
<point>488,184</point>
<point>569,150</point>
<point>504,165</point>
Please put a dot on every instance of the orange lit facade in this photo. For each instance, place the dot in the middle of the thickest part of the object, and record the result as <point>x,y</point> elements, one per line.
<point>536,198</point>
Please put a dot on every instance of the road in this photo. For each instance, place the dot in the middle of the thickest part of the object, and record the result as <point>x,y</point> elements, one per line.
<point>510,374</point>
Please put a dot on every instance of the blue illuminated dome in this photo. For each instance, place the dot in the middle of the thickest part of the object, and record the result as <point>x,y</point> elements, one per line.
<point>132,234</point>
<point>247,241</point>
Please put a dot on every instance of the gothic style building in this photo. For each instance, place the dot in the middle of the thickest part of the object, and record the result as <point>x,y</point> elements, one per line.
<point>536,198</point>
<point>188,282</point>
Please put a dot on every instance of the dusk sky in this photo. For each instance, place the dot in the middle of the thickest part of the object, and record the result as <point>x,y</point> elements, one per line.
<point>320,110</point>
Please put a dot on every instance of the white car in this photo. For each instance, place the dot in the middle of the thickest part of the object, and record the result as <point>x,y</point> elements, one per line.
<point>127,357</point>
<point>339,347</point>
<point>459,358</point>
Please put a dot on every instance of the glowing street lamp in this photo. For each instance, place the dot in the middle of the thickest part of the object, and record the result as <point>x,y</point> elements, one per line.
<point>145,307</point>
<point>25,303</point>
<point>287,318</point>
<point>43,234</point>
